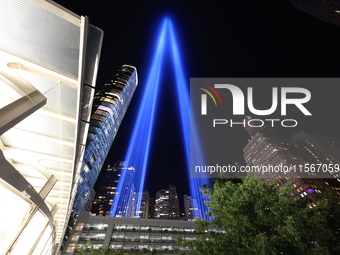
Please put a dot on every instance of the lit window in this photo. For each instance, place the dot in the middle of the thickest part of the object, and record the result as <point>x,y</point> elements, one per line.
<point>70,249</point>
<point>80,226</point>
<point>75,238</point>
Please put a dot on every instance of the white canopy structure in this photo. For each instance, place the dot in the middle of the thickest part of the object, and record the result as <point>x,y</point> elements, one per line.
<point>48,63</point>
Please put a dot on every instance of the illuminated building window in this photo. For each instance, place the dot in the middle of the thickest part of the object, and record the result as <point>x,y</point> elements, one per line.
<point>75,237</point>
<point>80,226</point>
<point>70,249</point>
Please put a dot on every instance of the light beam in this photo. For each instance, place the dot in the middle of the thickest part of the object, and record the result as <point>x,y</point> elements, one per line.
<point>138,151</point>
<point>184,109</point>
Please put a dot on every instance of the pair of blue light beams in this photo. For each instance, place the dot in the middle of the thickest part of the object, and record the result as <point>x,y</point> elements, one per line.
<point>138,150</point>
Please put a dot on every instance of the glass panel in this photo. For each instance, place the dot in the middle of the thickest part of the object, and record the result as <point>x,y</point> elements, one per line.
<point>94,43</point>
<point>45,240</point>
<point>10,219</point>
<point>30,234</point>
<point>54,44</point>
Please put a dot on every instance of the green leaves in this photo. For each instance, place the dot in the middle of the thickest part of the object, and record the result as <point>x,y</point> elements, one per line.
<point>263,218</point>
<point>89,249</point>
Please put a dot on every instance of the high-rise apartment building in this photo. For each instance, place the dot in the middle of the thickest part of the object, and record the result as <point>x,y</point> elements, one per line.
<point>267,149</point>
<point>167,203</point>
<point>110,104</point>
<point>107,192</point>
<point>190,207</point>
<point>317,148</point>
<point>144,206</point>
<point>48,64</point>
<point>320,150</point>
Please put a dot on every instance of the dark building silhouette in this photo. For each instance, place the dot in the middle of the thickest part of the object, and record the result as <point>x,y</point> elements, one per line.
<point>151,208</point>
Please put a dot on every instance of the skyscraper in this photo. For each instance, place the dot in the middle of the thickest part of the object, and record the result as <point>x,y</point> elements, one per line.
<point>317,148</point>
<point>167,204</point>
<point>266,148</point>
<point>190,207</point>
<point>320,150</point>
<point>107,192</point>
<point>110,104</point>
<point>145,206</point>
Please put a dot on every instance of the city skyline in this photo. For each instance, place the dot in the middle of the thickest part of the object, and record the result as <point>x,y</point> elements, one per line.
<point>101,204</point>
<point>238,40</point>
<point>41,154</point>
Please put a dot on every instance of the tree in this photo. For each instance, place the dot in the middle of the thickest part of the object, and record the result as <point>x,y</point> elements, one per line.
<point>258,218</point>
<point>89,249</point>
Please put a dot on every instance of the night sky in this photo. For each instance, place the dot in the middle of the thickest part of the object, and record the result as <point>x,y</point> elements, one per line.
<point>217,39</point>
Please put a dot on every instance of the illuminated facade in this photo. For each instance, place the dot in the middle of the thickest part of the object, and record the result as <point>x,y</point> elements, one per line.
<point>269,149</point>
<point>191,208</point>
<point>107,192</point>
<point>145,206</point>
<point>167,204</point>
<point>318,149</point>
<point>110,104</point>
<point>47,80</point>
<point>134,236</point>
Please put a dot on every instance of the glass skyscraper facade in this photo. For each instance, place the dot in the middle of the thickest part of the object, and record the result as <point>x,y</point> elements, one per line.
<point>107,192</point>
<point>109,107</point>
<point>110,104</point>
